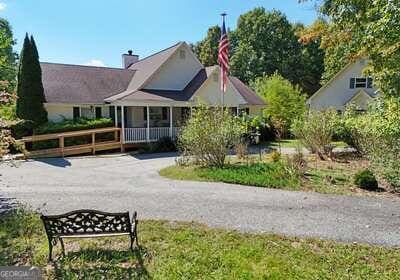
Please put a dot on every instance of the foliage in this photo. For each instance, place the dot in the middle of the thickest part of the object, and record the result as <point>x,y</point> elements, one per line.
<point>7,56</point>
<point>271,175</point>
<point>312,56</point>
<point>315,131</point>
<point>297,163</point>
<point>265,43</point>
<point>209,134</point>
<point>30,90</point>
<point>176,250</point>
<point>365,179</point>
<point>164,144</point>
<point>285,102</point>
<point>276,156</point>
<point>207,49</point>
<point>377,134</point>
<point>364,29</point>
<point>73,125</point>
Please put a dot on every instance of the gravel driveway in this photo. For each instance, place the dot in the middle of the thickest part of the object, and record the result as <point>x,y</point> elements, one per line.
<point>126,182</point>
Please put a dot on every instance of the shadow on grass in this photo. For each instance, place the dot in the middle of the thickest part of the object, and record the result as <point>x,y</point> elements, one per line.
<point>102,264</point>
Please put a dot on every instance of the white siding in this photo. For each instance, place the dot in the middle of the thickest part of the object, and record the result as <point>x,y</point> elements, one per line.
<point>210,93</point>
<point>177,72</point>
<point>59,112</point>
<point>338,92</point>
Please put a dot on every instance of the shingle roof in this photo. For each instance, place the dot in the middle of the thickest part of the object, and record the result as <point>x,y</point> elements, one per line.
<point>250,96</point>
<point>168,95</point>
<point>64,83</point>
<point>76,84</point>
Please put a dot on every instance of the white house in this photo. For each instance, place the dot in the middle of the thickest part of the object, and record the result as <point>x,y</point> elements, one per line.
<point>148,98</point>
<point>348,86</point>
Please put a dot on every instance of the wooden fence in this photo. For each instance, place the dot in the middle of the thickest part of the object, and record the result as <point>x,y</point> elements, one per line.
<point>62,150</point>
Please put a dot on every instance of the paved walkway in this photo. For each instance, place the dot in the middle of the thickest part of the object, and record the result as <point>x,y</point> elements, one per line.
<point>126,182</point>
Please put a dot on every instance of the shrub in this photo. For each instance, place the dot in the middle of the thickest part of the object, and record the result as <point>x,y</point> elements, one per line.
<point>365,179</point>
<point>297,163</point>
<point>164,144</point>
<point>209,135</point>
<point>72,125</point>
<point>285,101</point>
<point>315,131</point>
<point>276,156</point>
<point>377,133</point>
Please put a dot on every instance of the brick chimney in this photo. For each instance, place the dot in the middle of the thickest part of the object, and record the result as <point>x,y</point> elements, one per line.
<point>128,59</point>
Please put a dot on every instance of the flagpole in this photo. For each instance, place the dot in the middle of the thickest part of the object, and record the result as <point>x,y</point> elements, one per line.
<point>222,91</point>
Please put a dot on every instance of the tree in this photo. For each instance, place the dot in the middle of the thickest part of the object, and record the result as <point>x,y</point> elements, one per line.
<point>285,102</point>
<point>7,55</point>
<point>30,90</point>
<point>312,56</point>
<point>265,43</point>
<point>207,49</point>
<point>364,29</point>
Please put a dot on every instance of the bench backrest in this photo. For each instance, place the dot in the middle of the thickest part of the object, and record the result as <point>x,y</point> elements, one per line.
<point>86,222</point>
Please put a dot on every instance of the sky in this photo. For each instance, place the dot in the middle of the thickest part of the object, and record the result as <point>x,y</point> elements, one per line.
<point>97,32</point>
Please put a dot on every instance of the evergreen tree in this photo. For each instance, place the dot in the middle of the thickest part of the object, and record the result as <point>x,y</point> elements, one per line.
<point>30,90</point>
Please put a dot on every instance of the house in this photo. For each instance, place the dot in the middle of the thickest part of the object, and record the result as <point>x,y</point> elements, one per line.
<point>348,86</point>
<point>148,98</point>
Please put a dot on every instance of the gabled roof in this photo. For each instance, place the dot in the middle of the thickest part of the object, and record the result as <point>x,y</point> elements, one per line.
<point>359,94</point>
<point>64,83</point>
<point>250,96</point>
<point>76,84</point>
<point>334,78</point>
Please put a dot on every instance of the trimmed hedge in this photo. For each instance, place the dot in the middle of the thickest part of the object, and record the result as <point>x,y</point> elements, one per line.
<point>73,125</point>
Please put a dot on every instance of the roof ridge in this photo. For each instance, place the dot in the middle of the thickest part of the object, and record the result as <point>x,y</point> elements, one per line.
<point>156,53</point>
<point>89,66</point>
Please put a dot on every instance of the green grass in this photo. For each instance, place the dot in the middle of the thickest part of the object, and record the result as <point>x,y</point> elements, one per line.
<point>271,175</point>
<point>294,143</point>
<point>172,250</point>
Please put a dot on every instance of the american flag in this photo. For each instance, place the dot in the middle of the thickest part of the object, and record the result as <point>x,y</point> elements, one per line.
<point>223,56</point>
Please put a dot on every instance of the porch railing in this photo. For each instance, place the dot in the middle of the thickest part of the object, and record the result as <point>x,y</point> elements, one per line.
<point>142,134</point>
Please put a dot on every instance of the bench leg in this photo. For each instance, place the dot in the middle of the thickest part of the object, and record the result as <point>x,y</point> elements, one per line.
<point>50,251</point>
<point>62,247</point>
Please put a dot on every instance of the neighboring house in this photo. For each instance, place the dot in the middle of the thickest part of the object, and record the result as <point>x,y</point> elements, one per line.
<point>349,86</point>
<point>149,98</point>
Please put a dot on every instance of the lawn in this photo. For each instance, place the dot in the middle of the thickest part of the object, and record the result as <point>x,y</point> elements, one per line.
<point>328,177</point>
<point>174,250</point>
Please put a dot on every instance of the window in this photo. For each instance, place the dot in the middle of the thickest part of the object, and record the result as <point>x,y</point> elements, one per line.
<point>145,113</point>
<point>76,112</point>
<point>87,112</point>
<point>98,113</point>
<point>361,82</point>
<point>182,54</point>
<point>112,113</point>
<point>164,113</point>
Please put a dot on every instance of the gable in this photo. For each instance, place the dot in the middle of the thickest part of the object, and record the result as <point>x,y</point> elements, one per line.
<point>176,72</point>
<point>210,92</point>
<point>361,100</point>
<point>337,92</point>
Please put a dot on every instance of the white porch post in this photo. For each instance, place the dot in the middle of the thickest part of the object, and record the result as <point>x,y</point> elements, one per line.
<point>123,124</point>
<point>148,124</point>
<point>170,122</point>
<point>237,111</point>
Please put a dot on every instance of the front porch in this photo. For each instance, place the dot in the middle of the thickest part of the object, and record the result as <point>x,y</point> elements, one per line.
<point>144,124</point>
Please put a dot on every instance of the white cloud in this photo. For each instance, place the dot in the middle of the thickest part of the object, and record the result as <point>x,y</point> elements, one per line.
<point>3,6</point>
<point>95,62</point>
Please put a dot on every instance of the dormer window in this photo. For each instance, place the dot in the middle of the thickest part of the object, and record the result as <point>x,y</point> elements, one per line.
<point>182,54</point>
<point>361,82</point>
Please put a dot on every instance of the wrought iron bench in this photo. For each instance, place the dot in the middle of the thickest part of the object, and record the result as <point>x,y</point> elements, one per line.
<point>88,223</point>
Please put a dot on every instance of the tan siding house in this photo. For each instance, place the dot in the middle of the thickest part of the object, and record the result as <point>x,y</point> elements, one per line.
<point>149,98</point>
